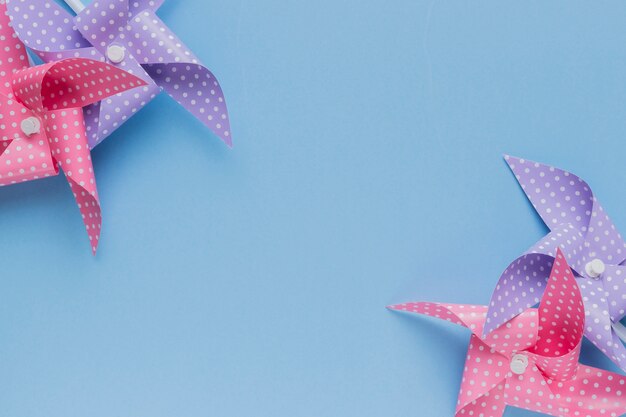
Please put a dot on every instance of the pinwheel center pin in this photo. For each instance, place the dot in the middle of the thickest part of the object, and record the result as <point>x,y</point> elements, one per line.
<point>595,268</point>
<point>519,363</point>
<point>116,53</point>
<point>30,125</point>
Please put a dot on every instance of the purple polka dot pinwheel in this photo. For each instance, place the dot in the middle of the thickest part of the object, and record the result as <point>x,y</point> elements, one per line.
<point>595,249</point>
<point>129,35</point>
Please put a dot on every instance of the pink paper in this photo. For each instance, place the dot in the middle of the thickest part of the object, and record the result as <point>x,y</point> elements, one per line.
<point>50,96</point>
<point>548,341</point>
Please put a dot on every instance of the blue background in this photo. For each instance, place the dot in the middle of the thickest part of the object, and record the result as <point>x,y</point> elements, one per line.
<point>367,170</point>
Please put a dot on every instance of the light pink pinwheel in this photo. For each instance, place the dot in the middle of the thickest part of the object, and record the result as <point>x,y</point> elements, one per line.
<point>41,120</point>
<point>532,361</point>
<point>127,34</point>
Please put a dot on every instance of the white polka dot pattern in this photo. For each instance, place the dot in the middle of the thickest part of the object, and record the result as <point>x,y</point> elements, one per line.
<point>549,338</point>
<point>151,51</point>
<point>47,99</point>
<point>580,227</point>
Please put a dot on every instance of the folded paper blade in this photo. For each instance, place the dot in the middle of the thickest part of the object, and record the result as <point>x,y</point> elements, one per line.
<point>598,392</point>
<point>174,67</point>
<point>546,186</point>
<point>520,287</point>
<point>561,323</point>
<point>43,25</point>
<point>197,90</point>
<point>66,131</point>
<point>466,315</point>
<point>484,370</point>
<point>567,238</point>
<point>560,197</point>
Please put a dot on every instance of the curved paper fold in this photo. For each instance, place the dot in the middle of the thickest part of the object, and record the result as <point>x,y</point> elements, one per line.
<point>561,323</point>
<point>520,287</point>
<point>70,83</point>
<point>174,67</point>
<point>70,151</point>
<point>195,88</point>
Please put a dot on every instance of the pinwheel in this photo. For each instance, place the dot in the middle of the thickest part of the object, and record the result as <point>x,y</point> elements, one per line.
<point>580,227</point>
<point>127,34</point>
<point>41,120</point>
<point>532,361</point>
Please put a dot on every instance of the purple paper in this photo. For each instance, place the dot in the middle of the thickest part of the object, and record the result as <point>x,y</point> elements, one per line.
<point>151,51</point>
<point>585,233</point>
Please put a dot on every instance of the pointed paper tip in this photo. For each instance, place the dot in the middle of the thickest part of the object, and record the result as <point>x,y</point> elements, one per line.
<point>510,159</point>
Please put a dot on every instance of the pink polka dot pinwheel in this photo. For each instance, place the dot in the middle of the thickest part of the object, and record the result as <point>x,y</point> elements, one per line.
<point>596,251</point>
<point>129,35</point>
<point>532,361</point>
<point>41,120</point>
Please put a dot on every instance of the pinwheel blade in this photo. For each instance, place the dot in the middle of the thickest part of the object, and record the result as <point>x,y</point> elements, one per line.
<point>560,197</point>
<point>70,83</point>
<point>561,323</point>
<point>484,370</point>
<point>47,31</point>
<point>520,287</point>
<point>546,187</point>
<point>599,393</point>
<point>66,132</point>
<point>176,70</point>
<point>197,90</point>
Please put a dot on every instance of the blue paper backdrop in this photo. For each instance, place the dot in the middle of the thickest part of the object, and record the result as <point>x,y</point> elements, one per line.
<point>366,170</point>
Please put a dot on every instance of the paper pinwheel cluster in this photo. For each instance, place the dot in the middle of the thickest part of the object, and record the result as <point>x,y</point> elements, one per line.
<point>129,35</point>
<point>526,357</point>
<point>100,67</point>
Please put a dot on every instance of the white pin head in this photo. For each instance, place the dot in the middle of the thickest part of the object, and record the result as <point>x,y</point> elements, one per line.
<point>519,363</point>
<point>595,268</point>
<point>116,53</point>
<point>30,125</point>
